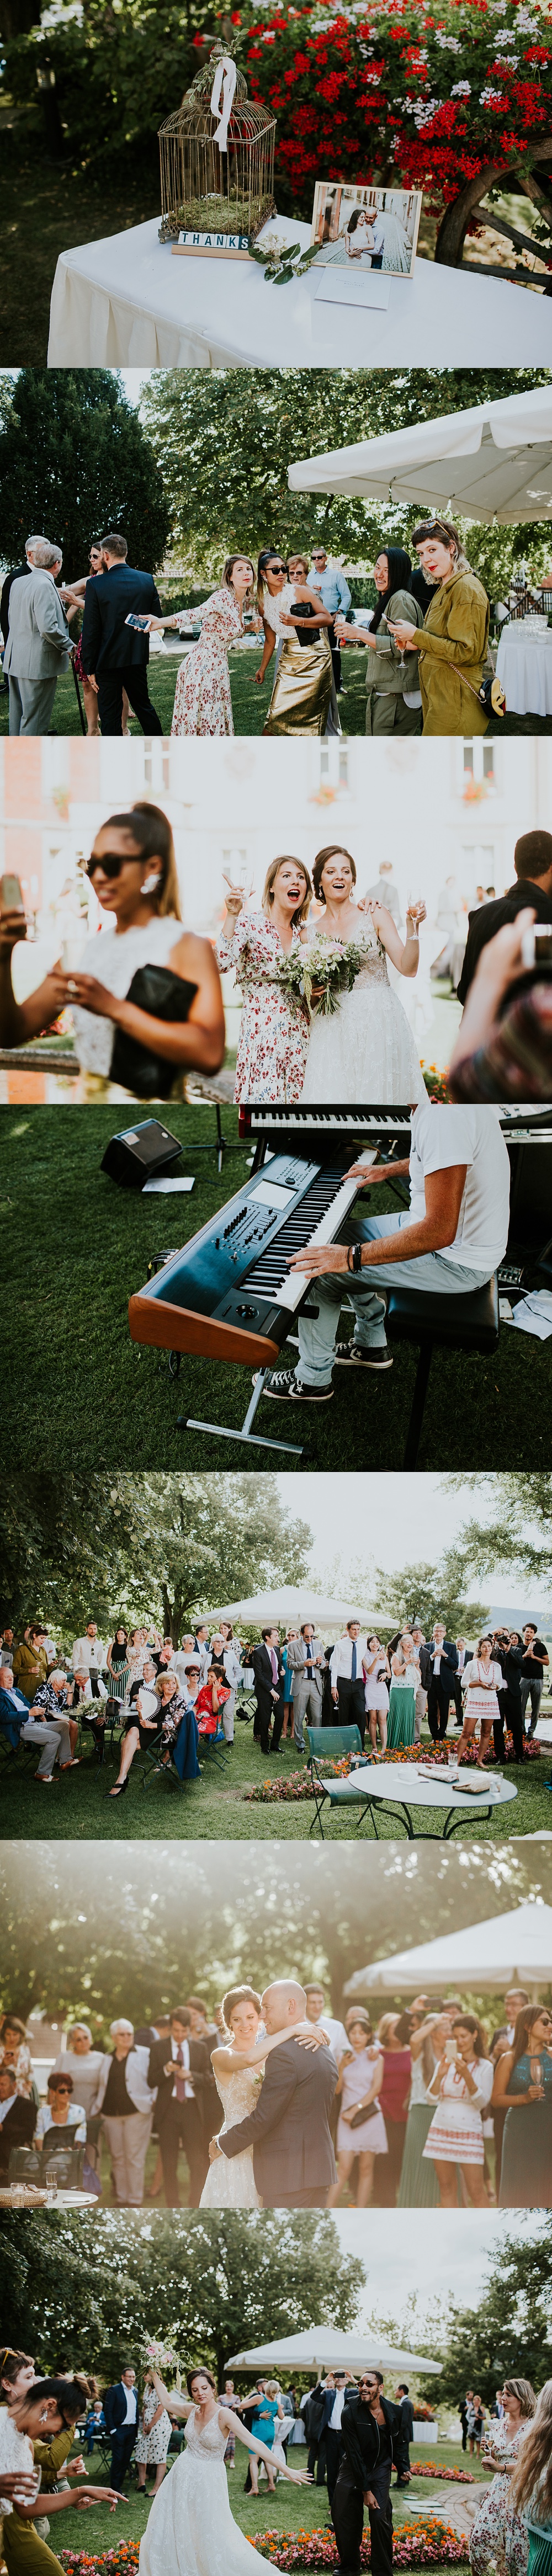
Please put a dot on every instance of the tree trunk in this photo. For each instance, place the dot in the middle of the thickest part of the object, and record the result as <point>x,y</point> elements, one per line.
<point>452,232</point>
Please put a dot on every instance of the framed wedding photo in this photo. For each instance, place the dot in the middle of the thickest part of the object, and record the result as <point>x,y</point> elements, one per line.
<point>373,228</point>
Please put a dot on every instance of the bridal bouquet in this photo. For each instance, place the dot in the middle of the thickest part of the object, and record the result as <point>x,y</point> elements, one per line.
<point>160,2356</point>
<point>325,969</point>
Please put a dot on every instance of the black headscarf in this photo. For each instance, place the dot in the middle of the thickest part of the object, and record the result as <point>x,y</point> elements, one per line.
<point>399,576</point>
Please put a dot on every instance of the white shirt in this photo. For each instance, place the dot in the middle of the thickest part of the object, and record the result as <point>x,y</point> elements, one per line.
<point>131,2405</point>
<point>7,2106</point>
<point>340,1666</point>
<point>180,1665</point>
<point>88,1655</point>
<point>188,2088</point>
<point>75,2125</point>
<point>442,1137</point>
<point>337,2411</point>
<point>335,2032</point>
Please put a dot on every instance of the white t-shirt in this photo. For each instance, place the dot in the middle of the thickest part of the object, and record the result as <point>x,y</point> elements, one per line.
<point>88,1655</point>
<point>335,2032</point>
<point>442,1137</point>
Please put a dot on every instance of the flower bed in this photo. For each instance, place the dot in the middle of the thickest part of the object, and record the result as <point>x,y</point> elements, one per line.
<point>401,92</point>
<point>415,2544</point>
<point>298,1784</point>
<point>430,2469</point>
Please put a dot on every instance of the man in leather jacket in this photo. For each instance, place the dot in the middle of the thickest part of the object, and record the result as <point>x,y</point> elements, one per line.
<point>371,2435</point>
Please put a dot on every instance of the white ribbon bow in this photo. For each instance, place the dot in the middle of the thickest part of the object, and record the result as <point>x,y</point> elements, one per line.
<point>222,98</point>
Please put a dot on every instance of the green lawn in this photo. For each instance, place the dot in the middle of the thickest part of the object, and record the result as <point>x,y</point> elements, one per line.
<point>217,1808</point>
<point>74,1250</point>
<point>250,705</point>
<point>45,206</point>
<point>291,2509</point>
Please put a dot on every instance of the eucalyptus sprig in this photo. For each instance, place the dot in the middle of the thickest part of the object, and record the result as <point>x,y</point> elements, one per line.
<point>277,257</point>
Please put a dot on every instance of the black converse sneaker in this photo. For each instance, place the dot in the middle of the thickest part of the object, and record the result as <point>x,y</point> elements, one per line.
<point>356,1355</point>
<point>285,1388</point>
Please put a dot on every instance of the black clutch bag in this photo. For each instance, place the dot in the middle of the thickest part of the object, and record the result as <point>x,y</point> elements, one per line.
<point>136,1067</point>
<point>359,2117</point>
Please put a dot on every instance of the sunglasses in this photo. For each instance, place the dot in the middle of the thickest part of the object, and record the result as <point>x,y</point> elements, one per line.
<point>276,567</point>
<point>111,865</point>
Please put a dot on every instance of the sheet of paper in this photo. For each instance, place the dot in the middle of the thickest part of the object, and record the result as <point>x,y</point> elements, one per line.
<point>163,1187</point>
<point>347,286</point>
<point>534,1314</point>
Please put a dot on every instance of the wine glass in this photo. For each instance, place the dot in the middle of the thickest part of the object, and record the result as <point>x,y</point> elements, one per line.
<point>535,2070</point>
<point>51,2183</point>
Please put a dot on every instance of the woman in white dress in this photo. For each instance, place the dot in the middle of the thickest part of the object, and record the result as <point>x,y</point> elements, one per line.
<point>481,1681</point>
<point>191,2530</point>
<point>461,2087</point>
<point>238,2069</point>
<point>293,615</point>
<point>377,1673</point>
<point>365,1050</point>
<point>133,871</point>
<point>357,2090</point>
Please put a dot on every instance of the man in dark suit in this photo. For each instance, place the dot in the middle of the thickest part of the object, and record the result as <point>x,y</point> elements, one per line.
<point>443,1663</point>
<point>464,1654</point>
<point>370,2441</point>
<point>121,2414</point>
<point>269,1689</point>
<point>17,2119</point>
<point>177,2071</point>
<point>533,867</point>
<point>402,2453</point>
<point>115,656</point>
<point>289,2131</point>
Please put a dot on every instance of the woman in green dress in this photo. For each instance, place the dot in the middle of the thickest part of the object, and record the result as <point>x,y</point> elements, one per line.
<point>418,2187</point>
<point>531,2486</point>
<point>523,2086</point>
<point>401,1724</point>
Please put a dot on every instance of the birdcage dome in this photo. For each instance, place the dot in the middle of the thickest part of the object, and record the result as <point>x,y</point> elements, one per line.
<point>206,184</point>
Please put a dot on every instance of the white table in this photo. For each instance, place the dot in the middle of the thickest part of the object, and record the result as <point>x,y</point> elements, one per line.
<point>130,302</point>
<point>524,666</point>
<point>398,1787</point>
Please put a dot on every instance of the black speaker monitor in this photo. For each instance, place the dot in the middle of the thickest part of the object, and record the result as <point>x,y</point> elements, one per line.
<point>140,1154</point>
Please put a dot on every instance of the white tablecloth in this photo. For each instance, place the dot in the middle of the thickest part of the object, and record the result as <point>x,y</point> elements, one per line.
<point>401,1784</point>
<point>130,302</point>
<point>524,666</point>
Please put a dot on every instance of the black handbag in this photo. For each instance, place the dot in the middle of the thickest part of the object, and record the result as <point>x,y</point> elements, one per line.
<point>134,1066</point>
<point>360,2116</point>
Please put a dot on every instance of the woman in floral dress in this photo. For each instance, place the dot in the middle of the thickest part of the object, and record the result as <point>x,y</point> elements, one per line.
<point>154,2435</point>
<point>499,2536</point>
<point>202,702</point>
<point>274,1032</point>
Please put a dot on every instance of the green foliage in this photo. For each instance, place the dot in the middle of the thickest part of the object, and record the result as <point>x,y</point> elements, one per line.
<point>519,1537</point>
<point>434,1593</point>
<point>260,420</point>
<point>75,461</point>
<point>195,1920</point>
<point>225,2281</point>
<point>128,1546</point>
<point>118,74</point>
<point>511,2328</point>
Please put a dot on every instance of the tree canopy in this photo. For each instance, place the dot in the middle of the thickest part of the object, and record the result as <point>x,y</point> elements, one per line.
<point>518,1537</point>
<point>177,1917</point>
<point>75,461</point>
<point>219,2282</point>
<point>510,2331</point>
<point>125,1547</point>
<point>224,443</point>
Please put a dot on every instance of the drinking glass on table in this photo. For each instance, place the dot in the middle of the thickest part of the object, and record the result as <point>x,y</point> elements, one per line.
<point>52,2185</point>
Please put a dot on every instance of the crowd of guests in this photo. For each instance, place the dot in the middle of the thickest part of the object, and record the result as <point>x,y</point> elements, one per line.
<point>356,2438</point>
<point>176,1703</point>
<point>426,2109</point>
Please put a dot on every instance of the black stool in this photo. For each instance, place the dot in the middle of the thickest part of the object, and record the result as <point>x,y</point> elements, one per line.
<point>462,1323</point>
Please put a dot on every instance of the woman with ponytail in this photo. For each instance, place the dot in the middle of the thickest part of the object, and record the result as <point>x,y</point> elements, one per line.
<point>36,2433</point>
<point>146,999</point>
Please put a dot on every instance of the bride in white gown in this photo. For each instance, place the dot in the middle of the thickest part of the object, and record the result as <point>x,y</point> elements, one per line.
<point>365,1049</point>
<point>191,2531</point>
<point>238,2071</point>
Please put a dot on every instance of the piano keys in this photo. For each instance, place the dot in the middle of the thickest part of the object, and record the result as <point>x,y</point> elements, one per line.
<point>228,1294</point>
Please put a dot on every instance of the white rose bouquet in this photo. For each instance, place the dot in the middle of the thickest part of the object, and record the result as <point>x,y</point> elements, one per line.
<point>321,972</point>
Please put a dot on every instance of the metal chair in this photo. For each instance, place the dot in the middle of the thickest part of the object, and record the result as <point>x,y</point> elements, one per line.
<point>330,1742</point>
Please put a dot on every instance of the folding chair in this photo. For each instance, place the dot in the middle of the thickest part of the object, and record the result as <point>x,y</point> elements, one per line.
<point>213,1748</point>
<point>330,1742</point>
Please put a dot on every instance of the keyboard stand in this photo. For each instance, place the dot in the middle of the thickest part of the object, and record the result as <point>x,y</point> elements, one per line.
<point>253,1439</point>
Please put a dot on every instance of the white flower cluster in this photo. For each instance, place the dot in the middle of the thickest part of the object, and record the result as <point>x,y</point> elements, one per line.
<point>530,26</point>
<point>490,98</point>
<point>461,89</point>
<point>424,110</point>
<point>508,61</point>
<point>448,44</point>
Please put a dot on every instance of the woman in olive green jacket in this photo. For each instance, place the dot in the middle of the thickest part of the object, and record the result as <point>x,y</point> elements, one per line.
<point>393,700</point>
<point>452,645</point>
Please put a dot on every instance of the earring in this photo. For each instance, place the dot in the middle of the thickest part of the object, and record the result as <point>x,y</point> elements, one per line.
<point>149,884</point>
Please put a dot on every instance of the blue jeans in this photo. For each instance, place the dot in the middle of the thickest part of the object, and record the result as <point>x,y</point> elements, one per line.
<point>317,1338</point>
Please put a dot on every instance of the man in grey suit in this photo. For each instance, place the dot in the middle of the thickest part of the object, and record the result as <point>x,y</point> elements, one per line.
<point>305,1659</point>
<point>38,640</point>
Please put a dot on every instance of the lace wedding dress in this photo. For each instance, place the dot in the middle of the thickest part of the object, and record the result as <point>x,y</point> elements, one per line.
<point>191,2531</point>
<point>366,1050</point>
<point>231,2181</point>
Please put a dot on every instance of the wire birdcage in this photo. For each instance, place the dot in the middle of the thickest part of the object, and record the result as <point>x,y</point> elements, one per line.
<point>203,188</point>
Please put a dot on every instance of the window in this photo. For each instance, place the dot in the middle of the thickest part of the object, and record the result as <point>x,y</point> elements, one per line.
<point>468,759</point>
<point>488,760</point>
